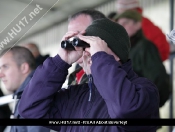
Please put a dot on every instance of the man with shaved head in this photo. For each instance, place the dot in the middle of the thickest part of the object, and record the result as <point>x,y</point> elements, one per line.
<point>17,65</point>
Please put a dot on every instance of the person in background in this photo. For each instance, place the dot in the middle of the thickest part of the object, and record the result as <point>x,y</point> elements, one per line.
<point>36,53</point>
<point>17,65</point>
<point>111,15</point>
<point>78,22</point>
<point>144,54</point>
<point>114,91</point>
<point>150,30</point>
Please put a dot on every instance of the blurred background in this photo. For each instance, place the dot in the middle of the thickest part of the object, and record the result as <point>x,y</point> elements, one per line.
<point>51,24</point>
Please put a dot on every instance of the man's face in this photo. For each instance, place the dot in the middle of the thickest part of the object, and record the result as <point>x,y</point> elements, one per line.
<point>79,24</point>
<point>88,62</point>
<point>10,73</point>
<point>130,25</point>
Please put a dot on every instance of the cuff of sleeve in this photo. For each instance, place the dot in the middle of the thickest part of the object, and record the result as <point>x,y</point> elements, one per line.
<point>60,63</point>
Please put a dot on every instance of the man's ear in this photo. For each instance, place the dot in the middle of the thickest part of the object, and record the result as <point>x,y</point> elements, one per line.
<point>112,53</point>
<point>25,68</point>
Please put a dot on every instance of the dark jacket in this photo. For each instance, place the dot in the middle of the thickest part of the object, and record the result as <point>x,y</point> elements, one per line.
<point>17,97</point>
<point>147,63</point>
<point>4,112</point>
<point>156,36</point>
<point>40,59</point>
<point>117,92</point>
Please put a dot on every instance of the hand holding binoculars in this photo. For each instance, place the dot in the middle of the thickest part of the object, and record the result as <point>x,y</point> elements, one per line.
<point>72,42</point>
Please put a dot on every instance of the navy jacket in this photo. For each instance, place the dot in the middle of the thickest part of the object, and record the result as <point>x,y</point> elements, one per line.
<point>17,97</point>
<point>117,92</point>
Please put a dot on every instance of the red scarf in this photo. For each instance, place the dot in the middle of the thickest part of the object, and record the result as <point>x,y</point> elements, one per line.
<point>79,75</point>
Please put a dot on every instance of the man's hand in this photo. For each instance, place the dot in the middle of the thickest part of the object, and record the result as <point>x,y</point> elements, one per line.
<point>67,55</point>
<point>96,44</point>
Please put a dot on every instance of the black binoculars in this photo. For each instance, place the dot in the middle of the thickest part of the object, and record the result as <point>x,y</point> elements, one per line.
<point>72,42</point>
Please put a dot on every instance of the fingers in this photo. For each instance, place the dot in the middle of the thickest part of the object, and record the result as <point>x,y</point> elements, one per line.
<point>88,39</point>
<point>91,40</point>
<point>78,48</point>
<point>87,50</point>
<point>84,37</point>
<point>69,35</point>
<point>96,44</point>
<point>83,32</point>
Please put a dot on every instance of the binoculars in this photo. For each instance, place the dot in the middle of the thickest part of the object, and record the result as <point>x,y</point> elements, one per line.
<point>72,42</point>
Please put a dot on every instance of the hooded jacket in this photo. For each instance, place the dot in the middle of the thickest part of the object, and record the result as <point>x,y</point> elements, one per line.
<point>5,112</point>
<point>116,92</point>
<point>15,114</point>
<point>155,35</point>
<point>147,63</point>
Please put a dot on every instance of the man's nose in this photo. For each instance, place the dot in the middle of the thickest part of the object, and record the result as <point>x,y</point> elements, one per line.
<point>85,53</point>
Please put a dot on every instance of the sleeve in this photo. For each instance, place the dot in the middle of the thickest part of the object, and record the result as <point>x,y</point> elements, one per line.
<point>39,97</point>
<point>155,35</point>
<point>37,129</point>
<point>125,97</point>
<point>153,69</point>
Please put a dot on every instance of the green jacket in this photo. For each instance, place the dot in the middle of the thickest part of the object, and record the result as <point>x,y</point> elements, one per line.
<point>147,63</point>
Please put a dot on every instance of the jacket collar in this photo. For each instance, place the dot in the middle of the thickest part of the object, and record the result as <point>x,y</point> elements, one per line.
<point>136,38</point>
<point>20,90</point>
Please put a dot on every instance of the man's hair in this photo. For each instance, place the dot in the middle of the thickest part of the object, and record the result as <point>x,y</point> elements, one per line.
<point>94,14</point>
<point>21,55</point>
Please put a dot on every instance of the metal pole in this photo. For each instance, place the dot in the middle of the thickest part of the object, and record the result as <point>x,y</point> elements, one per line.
<point>171,14</point>
<point>171,62</point>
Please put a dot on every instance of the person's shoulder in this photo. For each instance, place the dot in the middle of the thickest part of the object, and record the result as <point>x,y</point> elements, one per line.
<point>46,55</point>
<point>149,45</point>
<point>145,43</point>
<point>147,25</point>
<point>144,83</point>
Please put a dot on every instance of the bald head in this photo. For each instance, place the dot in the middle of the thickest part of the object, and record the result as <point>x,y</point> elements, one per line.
<point>33,48</point>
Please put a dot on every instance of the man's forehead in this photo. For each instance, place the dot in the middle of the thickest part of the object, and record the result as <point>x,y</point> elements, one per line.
<point>6,58</point>
<point>82,17</point>
<point>79,23</point>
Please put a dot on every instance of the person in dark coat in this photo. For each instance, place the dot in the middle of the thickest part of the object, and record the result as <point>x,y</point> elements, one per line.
<point>5,112</point>
<point>17,66</point>
<point>144,54</point>
<point>114,91</point>
<point>39,59</point>
<point>151,31</point>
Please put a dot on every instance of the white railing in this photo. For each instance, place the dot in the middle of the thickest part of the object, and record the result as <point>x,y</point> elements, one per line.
<point>6,99</point>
